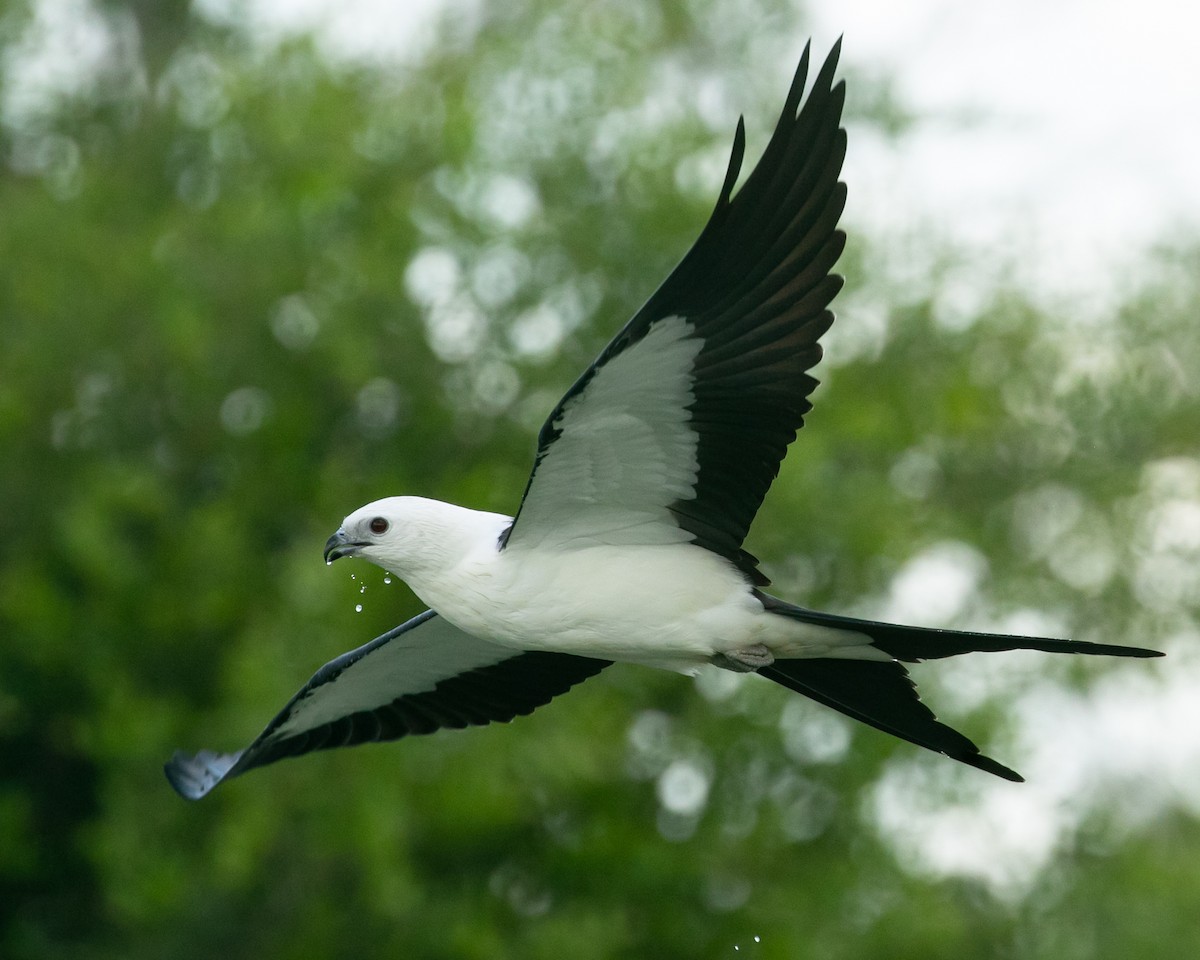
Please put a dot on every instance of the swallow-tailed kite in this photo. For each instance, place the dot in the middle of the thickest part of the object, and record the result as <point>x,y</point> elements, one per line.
<point>628,542</point>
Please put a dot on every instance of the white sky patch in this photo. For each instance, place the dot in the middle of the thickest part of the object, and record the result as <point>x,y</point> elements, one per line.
<point>498,274</point>
<point>537,332</point>
<point>812,734</point>
<point>1109,745</point>
<point>509,202</point>
<point>1166,544</point>
<point>344,30</point>
<point>432,276</point>
<point>1055,524</point>
<point>1000,834</point>
<point>60,53</point>
<point>1066,140</point>
<point>1055,140</point>
<point>683,786</point>
<point>934,586</point>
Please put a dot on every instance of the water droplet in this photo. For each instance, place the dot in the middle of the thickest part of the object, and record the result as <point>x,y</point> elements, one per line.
<point>358,608</point>
<point>387,578</point>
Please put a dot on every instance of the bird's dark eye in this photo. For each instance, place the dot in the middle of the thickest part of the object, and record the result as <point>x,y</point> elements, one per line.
<point>378,525</point>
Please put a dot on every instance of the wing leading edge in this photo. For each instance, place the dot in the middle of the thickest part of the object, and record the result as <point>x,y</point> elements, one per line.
<point>422,676</point>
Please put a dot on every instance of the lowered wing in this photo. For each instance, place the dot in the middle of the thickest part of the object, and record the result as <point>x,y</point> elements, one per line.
<point>424,675</point>
<point>677,430</point>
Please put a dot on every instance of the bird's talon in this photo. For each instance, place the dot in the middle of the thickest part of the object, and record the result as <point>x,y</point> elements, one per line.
<point>745,660</point>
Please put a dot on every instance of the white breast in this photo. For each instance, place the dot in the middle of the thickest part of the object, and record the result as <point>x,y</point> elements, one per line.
<point>670,605</point>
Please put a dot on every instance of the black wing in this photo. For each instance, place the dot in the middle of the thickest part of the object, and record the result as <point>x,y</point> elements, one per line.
<point>677,430</point>
<point>423,675</point>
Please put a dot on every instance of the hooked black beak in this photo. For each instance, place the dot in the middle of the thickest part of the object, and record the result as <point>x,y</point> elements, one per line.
<point>339,545</point>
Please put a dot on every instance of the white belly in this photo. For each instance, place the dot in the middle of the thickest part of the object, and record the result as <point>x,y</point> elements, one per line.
<point>670,605</point>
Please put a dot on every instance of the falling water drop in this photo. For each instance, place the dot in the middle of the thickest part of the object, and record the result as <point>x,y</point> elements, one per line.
<point>358,608</point>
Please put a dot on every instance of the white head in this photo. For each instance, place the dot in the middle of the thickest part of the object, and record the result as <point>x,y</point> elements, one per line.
<point>408,535</point>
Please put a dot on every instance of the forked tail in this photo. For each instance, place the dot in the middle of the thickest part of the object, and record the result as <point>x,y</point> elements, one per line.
<point>882,694</point>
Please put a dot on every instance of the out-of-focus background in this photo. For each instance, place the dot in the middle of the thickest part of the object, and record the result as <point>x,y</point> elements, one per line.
<point>262,262</point>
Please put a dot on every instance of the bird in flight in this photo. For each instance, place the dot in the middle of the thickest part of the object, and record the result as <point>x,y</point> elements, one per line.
<point>627,545</point>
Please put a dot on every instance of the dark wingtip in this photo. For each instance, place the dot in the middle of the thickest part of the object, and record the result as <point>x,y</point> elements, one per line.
<point>736,155</point>
<point>825,75</point>
<point>1096,649</point>
<point>988,765</point>
<point>796,91</point>
<point>194,776</point>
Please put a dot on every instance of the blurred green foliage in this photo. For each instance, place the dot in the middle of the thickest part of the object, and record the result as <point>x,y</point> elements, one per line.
<point>246,289</point>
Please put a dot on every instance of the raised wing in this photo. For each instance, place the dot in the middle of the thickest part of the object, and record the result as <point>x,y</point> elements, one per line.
<point>677,430</point>
<point>424,675</point>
